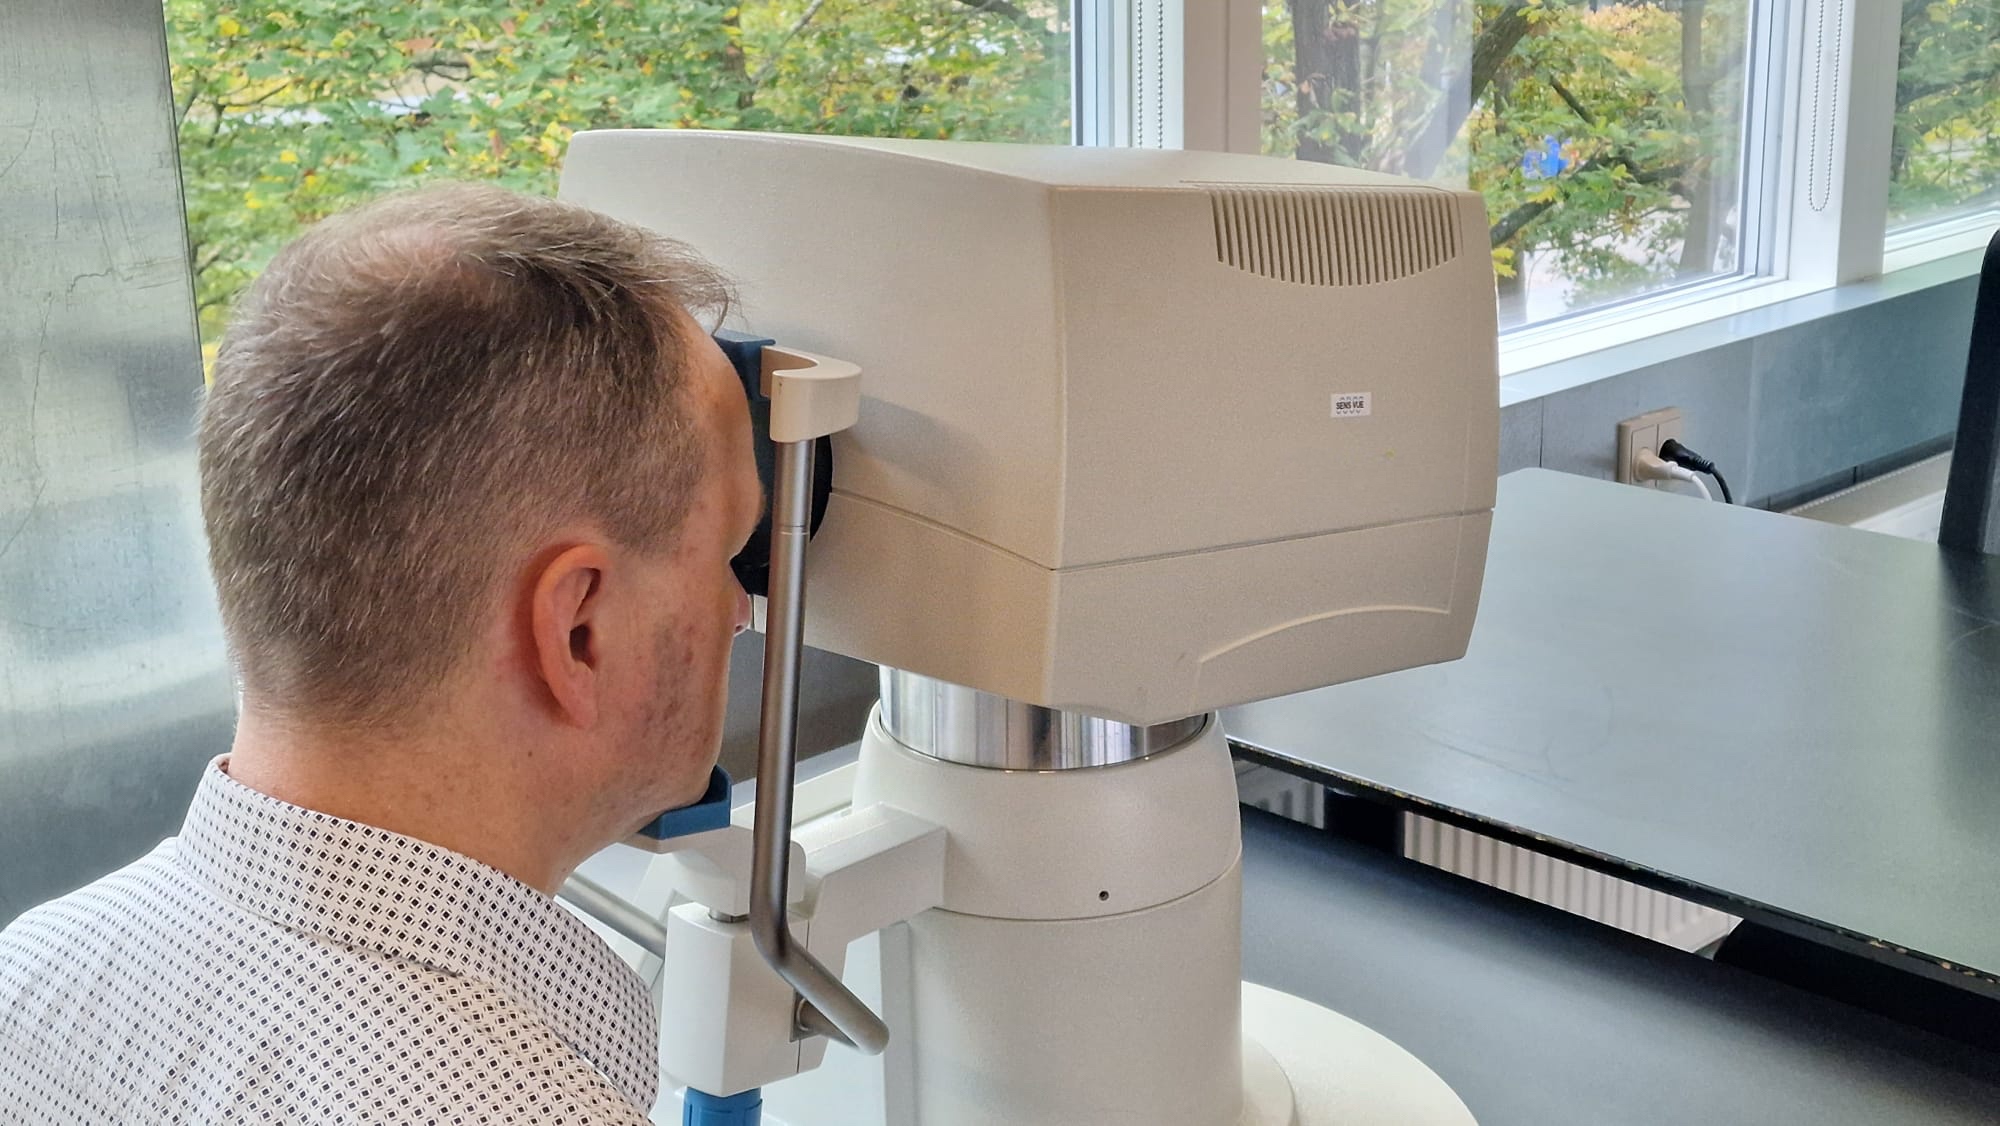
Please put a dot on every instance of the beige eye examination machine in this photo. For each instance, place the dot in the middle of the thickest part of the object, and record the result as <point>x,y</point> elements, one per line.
<point>1119,438</point>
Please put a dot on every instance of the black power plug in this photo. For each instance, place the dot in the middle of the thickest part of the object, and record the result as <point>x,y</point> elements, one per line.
<point>1680,455</point>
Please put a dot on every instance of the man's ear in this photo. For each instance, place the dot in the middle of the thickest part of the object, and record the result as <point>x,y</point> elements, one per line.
<point>566,620</point>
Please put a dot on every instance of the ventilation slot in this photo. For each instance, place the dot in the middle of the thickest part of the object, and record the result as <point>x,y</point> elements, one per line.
<point>1353,237</point>
<point>1532,875</point>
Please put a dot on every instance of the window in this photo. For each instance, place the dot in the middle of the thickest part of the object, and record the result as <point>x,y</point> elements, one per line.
<point>290,113</point>
<point>1944,157</point>
<point>1624,147</point>
<point>1606,136</point>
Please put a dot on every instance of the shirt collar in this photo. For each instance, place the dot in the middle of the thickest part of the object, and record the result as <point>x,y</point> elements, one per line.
<point>362,886</point>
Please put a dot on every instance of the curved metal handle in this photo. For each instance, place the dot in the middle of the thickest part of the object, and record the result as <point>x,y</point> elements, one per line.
<point>827,1007</point>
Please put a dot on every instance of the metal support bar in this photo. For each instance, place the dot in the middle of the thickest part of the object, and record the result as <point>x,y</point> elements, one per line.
<point>824,996</point>
<point>598,902</point>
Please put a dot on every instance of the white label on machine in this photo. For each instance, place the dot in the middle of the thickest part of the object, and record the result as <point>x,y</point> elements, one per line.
<point>1353,404</point>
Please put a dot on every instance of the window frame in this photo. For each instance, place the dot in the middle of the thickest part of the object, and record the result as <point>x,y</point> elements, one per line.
<point>1927,240</point>
<point>1953,231</point>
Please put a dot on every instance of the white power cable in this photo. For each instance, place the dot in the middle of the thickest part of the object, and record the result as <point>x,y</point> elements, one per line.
<point>1649,466</point>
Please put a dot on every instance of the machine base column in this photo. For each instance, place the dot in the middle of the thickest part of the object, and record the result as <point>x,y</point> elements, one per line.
<point>1335,1071</point>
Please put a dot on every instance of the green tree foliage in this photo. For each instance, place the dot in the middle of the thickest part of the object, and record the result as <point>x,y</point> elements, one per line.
<point>1946,151</point>
<point>1604,134</point>
<point>289,111</point>
<point>1640,102</point>
<point>1608,133</point>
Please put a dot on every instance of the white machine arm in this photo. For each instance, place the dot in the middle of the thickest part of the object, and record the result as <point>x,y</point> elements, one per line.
<point>734,1020</point>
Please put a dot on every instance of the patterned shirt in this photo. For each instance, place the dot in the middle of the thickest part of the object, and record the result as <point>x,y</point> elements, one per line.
<point>277,965</point>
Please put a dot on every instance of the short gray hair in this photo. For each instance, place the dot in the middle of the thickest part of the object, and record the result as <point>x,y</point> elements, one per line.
<point>411,393</point>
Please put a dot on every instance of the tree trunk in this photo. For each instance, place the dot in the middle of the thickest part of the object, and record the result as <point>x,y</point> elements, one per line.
<point>1703,193</point>
<point>1497,39</point>
<point>734,65</point>
<point>1425,146</point>
<point>1327,69</point>
<point>1511,293</point>
<point>1906,92</point>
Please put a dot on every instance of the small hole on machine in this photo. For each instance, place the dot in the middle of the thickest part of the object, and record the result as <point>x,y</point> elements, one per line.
<point>1103,895</point>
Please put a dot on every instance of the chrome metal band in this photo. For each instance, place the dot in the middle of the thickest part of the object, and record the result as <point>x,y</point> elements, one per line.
<point>964,725</point>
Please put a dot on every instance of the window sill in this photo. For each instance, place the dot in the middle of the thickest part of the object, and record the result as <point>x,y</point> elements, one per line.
<point>1924,244</point>
<point>1531,369</point>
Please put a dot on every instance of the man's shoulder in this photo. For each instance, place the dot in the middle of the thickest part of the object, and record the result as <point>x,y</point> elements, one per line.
<point>100,908</point>
<point>143,997</point>
<point>480,1045</point>
<point>411,1044</point>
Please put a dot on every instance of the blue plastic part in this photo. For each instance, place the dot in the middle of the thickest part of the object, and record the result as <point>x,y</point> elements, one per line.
<point>698,1108</point>
<point>711,812</point>
<point>746,355</point>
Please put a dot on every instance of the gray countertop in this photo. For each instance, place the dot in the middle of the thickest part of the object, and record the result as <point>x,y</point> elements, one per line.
<point>1784,718</point>
<point>1537,1018</point>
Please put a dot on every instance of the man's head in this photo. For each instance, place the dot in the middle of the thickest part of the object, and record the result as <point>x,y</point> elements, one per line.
<point>468,459</point>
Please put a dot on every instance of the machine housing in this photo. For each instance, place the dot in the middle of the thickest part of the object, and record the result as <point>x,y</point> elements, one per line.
<point>1143,434</point>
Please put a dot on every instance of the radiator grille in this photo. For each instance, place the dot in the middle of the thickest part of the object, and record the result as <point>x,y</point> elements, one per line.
<point>1580,891</point>
<point>1352,237</point>
<point>1544,879</point>
<point>1293,799</point>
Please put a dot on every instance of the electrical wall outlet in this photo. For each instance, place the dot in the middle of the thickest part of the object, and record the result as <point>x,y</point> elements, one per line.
<point>1646,432</point>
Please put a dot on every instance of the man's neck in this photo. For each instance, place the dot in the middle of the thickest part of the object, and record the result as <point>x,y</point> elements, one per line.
<point>447,790</point>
